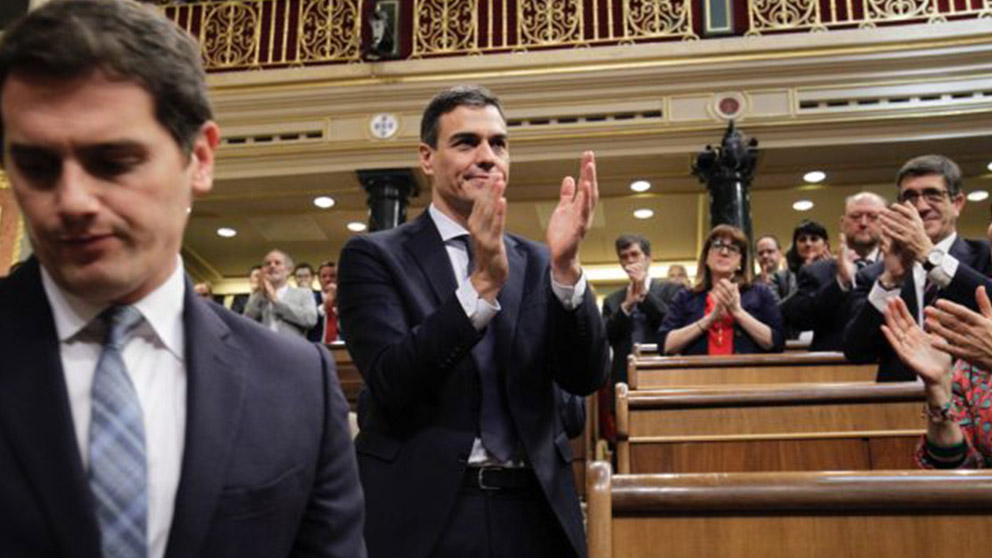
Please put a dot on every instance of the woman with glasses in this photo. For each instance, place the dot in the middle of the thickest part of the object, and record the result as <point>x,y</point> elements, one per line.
<point>724,313</point>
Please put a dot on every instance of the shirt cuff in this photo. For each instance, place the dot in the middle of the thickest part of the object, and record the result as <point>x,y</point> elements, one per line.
<point>878,296</point>
<point>843,287</point>
<point>943,274</point>
<point>479,310</point>
<point>570,296</point>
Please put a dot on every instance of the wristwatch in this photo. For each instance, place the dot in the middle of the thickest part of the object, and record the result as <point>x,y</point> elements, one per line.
<point>933,259</point>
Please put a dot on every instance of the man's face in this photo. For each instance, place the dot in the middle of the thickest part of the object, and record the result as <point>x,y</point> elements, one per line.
<point>276,268</point>
<point>202,290</point>
<point>472,153</point>
<point>255,278</point>
<point>860,223</point>
<point>304,278</point>
<point>104,187</point>
<point>328,275</point>
<point>631,255</point>
<point>929,195</point>
<point>768,254</point>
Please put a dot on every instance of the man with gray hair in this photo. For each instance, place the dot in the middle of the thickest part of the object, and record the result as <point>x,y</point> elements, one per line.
<point>821,301</point>
<point>923,259</point>
<point>276,304</point>
<point>137,419</point>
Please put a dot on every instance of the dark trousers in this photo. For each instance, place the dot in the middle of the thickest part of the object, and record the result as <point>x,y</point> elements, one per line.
<point>502,524</point>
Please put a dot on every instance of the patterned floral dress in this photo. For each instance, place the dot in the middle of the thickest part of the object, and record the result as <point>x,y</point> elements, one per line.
<point>972,391</point>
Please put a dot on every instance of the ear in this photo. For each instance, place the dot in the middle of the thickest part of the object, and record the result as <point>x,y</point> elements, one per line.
<point>958,203</point>
<point>202,157</point>
<point>426,156</point>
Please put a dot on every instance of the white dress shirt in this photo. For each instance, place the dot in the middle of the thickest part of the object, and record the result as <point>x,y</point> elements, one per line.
<point>155,358</point>
<point>479,310</point>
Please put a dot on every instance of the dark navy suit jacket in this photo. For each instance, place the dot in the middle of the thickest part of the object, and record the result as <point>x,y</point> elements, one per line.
<point>863,338</point>
<point>819,305</point>
<point>267,470</point>
<point>690,306</point>
<point>411,340</point>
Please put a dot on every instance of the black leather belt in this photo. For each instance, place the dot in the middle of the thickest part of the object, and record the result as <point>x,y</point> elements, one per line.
<point>499,478</point>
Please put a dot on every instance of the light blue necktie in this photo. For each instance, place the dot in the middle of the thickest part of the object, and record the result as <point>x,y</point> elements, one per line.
<point>118,468</point>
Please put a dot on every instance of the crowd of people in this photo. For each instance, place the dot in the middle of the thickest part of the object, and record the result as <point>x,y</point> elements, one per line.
<point>138,419</point>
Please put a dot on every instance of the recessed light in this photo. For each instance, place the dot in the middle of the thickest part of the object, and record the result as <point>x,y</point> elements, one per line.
<point>978,195</point>
<point>356,226</point>
<point>643,213</point>
<point>802,205</point>
<point>815,177</point>
<point>989,167</point>
<point>324,202</point>
<point>640,185</point>
<point>227,232</point>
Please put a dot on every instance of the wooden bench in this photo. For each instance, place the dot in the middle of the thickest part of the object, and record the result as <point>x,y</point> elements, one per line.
<point>646,372</point>
<point>351,380</point>
<point>789,427</point>
<point>905,514</point>
<point>651,349</point>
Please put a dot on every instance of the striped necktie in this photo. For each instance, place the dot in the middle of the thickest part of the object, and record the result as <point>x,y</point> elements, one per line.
<point>118,468</point>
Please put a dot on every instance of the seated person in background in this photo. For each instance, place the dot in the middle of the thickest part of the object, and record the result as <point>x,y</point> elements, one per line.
<point>768,252</point>
<point>327,309</point>
<point>959,394</point>
<point>725,313</point>
<point>277,305</point>
<point>810,243</point>
<point>203,290</point>
<point>822,301</point>
<point>303,275</point>
<point>679,275</point>
<point>254,283</point>
<point>924,259</point>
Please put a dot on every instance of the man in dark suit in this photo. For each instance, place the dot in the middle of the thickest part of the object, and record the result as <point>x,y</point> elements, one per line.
<point>137,419</point>
<point>924,259</point>
<point>303,275</point>
<point>822,302</point>
<point>461,332</point>
<point>632,315</point>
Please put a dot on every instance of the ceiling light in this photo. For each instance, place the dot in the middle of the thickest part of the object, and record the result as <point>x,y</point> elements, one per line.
<point>227,232</point>
<point>802,205</point>
<point>978,195</point>
<point>814,177</point>
<point>989,167</point>
<point>640,185</point>
<point>643,213</point>
<point>324,202</point>
<point>356,226</point>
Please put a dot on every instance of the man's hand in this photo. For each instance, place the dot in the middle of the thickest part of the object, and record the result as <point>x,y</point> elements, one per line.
<point>903,225</point>
<point>486,225</point>
<point>330,296</point>
<point>968,334</point>
<point>571,220</point>
<point>897,264</point>
<point>269,290</point>
<point>846,268</point>
<point>636,292</point>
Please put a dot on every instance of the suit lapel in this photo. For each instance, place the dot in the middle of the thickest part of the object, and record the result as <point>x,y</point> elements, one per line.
<point>510,297</point>
<point>35,415</point>
<point>214,400</point>
<point>431,257</point>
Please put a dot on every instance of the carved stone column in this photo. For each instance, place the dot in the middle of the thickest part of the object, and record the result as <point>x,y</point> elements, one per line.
<point>388,192</point>
<point>727,171</point>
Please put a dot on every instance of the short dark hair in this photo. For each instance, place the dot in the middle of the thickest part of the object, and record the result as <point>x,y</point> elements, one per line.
<point>328,263</point>
<point>303,265</point>
<point>68,39</point>
<point>932,164</point>
<point>447,101</point>
<point>625,240</point>
<point>809,228</point>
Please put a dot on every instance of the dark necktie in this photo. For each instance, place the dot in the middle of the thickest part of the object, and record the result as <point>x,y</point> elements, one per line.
<point>861,263</point>
<point>495,428</point>
<point>118,467</point>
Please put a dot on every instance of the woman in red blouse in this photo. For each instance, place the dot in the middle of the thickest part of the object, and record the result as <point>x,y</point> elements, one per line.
<point>724,313</point>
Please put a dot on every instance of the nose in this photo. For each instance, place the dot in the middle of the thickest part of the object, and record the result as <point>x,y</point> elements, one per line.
<point>76,193</point>
<point>485,157</point>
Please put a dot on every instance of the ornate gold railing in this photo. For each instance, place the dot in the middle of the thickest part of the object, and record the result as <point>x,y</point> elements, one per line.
<point>246,34</point>
<point>815,15</point>
<point>477,26</point>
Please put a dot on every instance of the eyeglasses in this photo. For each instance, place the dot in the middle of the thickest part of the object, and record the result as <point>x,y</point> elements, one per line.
<point>932,195</point>
<point>725,245</point>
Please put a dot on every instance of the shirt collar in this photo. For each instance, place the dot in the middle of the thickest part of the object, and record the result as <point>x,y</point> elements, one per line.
<point>945,245</point>
<point>162,310</point>
<point>445,225</point>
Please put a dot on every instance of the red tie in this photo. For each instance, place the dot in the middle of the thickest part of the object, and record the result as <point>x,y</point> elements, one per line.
<point>330,326</point>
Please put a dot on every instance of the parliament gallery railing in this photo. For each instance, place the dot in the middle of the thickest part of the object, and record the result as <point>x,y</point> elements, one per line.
<point>247,34</point>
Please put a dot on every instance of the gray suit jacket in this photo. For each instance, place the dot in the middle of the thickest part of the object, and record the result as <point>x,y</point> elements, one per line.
<point>295,312</point>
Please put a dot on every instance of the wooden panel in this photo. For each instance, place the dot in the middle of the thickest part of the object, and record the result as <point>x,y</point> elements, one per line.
<point>922,536</point>
<point>351,380</point>
<point>893,453</point>
<point>768,455</point>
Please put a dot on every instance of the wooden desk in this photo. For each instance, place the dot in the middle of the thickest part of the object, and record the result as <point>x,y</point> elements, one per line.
<point>655,371</point>
<point>789,427</point>
<point>905,514</point>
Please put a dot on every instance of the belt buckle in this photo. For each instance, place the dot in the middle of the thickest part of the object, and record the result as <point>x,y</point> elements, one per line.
<point>480,478</point>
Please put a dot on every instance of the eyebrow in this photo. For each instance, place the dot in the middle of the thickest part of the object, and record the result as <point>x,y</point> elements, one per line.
<point>471,136</point>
